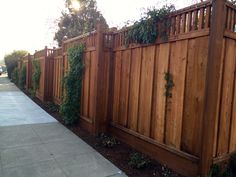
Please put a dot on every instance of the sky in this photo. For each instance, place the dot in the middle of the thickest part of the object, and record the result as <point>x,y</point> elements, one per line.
<point>30,24</point>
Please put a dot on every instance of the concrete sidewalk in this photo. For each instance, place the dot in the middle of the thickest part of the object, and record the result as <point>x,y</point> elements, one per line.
<point>34,144</point>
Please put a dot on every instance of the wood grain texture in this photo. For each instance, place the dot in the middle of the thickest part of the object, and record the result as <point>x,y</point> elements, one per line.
<point>217,21</point>
<point>232,145</point>
<point>227,98</point>
<point>194,95</point>
<point>124,87</point>
<point>134,88</point>
<point>86,82</point>
<point>159,98</point>
<point>219,99</point>
<point>174,115</point>
<point>116,97</point>
<point>146,86</point>
<point>92,85</point>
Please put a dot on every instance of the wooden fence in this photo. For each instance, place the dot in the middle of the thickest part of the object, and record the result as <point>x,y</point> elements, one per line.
<point>27,61</point>
<point>123,90</point>
<point>45,59</point>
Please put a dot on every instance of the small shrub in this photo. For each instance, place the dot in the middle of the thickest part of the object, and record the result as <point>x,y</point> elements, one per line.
<point>52,107</point>
<point>107,140</point>
<point>138,160</point>
<point>36,76</point>
<point>215,170</point>
<point>32,92</point>
<point>22,80</point>
<point>233,163</point>
<point>229,171</point>
<point>165,171</point>
<point>15,76</point>
<point>146,31</point>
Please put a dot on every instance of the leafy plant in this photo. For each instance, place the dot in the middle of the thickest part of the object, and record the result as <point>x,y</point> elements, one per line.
<point>15,76</point>
<point>52,107</point>
<point>165,171</point>
<point>70,108</point>
<point>107,140</point>
<point>214,171</point>
<point>153,24</point>
<point>11,60</point>
<point>75,22</point>
<point>22,80</point>
<point>233,163</point>
<point>229,171</point>
<point>169,84</point>
<point>138,160</point>
<point>36,76</point>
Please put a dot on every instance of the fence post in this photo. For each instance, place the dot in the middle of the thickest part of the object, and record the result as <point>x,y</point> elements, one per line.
<point>212,83</point>
<point>100,120</point>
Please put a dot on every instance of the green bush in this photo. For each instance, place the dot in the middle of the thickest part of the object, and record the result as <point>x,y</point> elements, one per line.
<point>15,76</point>
<point>36,76</point>
<point>52,107</point>
<point>165,171</point>
<point>138,160</point>
<point>229,171</point>
<point>146,31</point>
<point>233,163</point>
<point>11,61</point>
<point>70,107</point>
<point>22,80</point>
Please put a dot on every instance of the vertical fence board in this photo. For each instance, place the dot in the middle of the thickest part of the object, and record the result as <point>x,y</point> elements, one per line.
<point>134,88</point>
<point>117,81</point>
<point>93,79</point>
<point>124,89</point>
<point>232,145</point>
<point>226,100</point>
<point>86,81</point>
<point>159,98</point>
<point>175,103</point>
<point>194,95</point>
<point>219,100</point>
<point>146,84</point>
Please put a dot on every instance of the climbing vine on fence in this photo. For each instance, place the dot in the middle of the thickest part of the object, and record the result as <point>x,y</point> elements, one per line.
<point>70,107</point>
<point>169,84</point>
<point>22,80</point>
<point>155,23</point>
<point>36,76</point>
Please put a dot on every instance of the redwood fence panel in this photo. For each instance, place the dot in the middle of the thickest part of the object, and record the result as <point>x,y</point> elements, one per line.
<point>124,87</point>
<point>45,59</point>
<point>140,106</point>
<point>57,76</point>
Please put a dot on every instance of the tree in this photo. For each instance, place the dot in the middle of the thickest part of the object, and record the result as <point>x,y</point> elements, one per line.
<point>76,22</point>
<point>12,59</point>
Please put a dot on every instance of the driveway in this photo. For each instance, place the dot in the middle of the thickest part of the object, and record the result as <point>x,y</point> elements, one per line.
<point>34,144</point>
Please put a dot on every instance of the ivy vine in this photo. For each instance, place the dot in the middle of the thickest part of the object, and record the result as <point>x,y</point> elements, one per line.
<point>169,84</point>
<point>155,23</point>
<point>36,76</point>
<point>70,107</point>
<point>22,80</point>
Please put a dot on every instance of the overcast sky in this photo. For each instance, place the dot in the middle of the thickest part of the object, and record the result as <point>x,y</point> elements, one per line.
<point>30,24</point>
